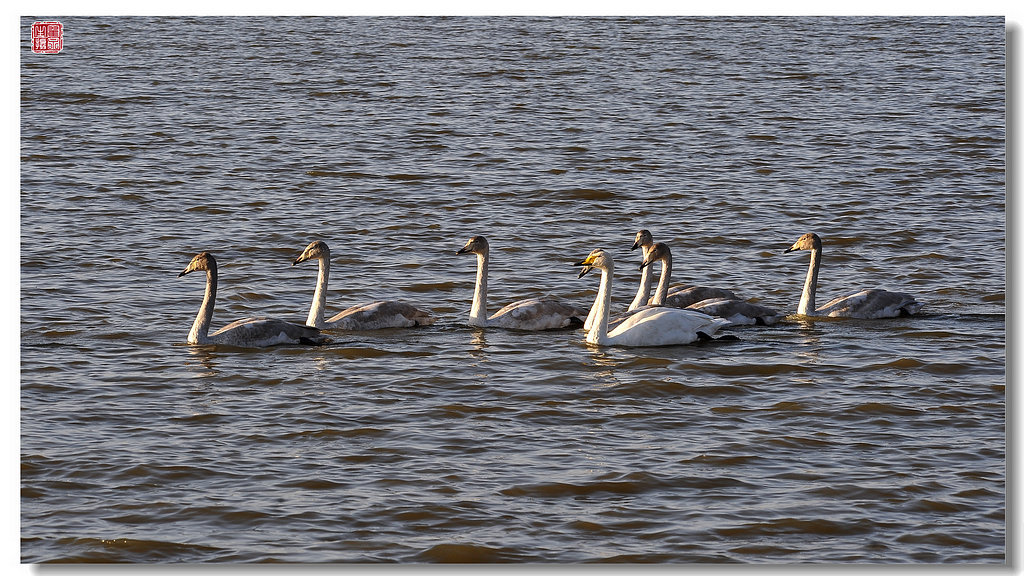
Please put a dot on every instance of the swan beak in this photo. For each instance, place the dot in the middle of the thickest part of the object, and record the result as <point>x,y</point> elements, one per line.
<point>183,272</point>
<point>462,250</point>
<point>586,266</point>
<point>644,264</point>
<point>302,258</point>
<point>790,249</point>
<point>635,245</point>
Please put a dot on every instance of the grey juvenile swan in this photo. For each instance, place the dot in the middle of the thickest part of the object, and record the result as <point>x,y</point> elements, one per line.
<point>248,333</point>
<point>713,301</point>
<point>682,297</point>
<point>867,304</point>
<point>530,314</point>
<point>372,316</point>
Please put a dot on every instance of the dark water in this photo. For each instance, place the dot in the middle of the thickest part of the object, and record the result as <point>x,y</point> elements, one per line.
<point>148,140</point>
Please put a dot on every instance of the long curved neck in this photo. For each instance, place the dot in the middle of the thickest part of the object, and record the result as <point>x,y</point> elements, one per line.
<point>644,292</point>
<point>201,327</point>
<point>316,309</point>
<point>599,331</point>
<point>478,313</point>
<point>666,275</point>
<point>806,306</point>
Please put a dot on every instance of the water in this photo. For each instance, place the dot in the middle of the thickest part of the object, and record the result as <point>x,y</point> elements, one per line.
<point>148,140</point>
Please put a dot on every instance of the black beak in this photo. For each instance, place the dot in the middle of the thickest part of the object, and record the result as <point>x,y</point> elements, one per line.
<point>635,245</point>
<point>461,251</point>
<point>788,250</point>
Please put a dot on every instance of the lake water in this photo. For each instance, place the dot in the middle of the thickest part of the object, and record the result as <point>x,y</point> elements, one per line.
<point>147,140</point>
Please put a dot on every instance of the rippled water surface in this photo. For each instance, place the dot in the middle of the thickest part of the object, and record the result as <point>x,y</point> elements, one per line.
<point>148,140</point>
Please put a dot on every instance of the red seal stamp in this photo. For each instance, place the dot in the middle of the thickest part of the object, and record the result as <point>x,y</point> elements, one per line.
<point>47,37</point>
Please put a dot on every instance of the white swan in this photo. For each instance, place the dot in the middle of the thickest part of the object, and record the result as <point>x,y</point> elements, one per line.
<point>644,240</point>
<point>645,326</point>
<point>867,304</point>
<point>530,314</point>
<point>248,333</point>
<point>681,297</point>
<point>373,316</point>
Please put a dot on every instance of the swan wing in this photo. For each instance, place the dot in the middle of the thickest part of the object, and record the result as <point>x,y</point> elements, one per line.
<point>737,311</point>
<point>537,314</point>
<point>693,294</point>
<point>380,315</point>
<point>660,326</point>
<point>263,332</point>
<point>870,304</point>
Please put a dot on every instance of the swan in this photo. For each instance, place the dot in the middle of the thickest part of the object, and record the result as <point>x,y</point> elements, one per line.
<point>682,297</point>
<point>372,316</point>
<point>644,241</point>
<point>868,304</point>
<point>530,314</point>
<point>651,326</point>
<point>248,333</point>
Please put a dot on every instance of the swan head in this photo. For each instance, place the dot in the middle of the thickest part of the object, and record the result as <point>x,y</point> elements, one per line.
<point>475,245</point>
<point>643,238</point>
<point>596,259</point>
<point>809,241</point>
<point>316,249</point>
<point>201,261</point>
<point>659,251</point>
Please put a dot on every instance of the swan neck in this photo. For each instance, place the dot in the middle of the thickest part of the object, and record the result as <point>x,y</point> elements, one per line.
<point>316,309</point>
<point>599,331</point>
<point>478,313</point>
<point>643,293</point>
<point>806,306</point>
<point>201,327</point>
<point>666,275</point>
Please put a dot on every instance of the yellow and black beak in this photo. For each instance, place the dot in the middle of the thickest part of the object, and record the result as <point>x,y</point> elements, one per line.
<point>586,263</point>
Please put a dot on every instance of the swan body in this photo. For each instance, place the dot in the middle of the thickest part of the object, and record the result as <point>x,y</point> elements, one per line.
<point>529,314</point>
<point>650,326</point>
<point>373,316</point>
<point>867,304</point>
<point>679,297</point>
<point>738,312</point>
<point>247,333</point>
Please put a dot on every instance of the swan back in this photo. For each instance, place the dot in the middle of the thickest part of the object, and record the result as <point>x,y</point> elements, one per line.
<point>380,315</point>
<point>737,312</point>
<point>871,304</point>
<point>263,332</point>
